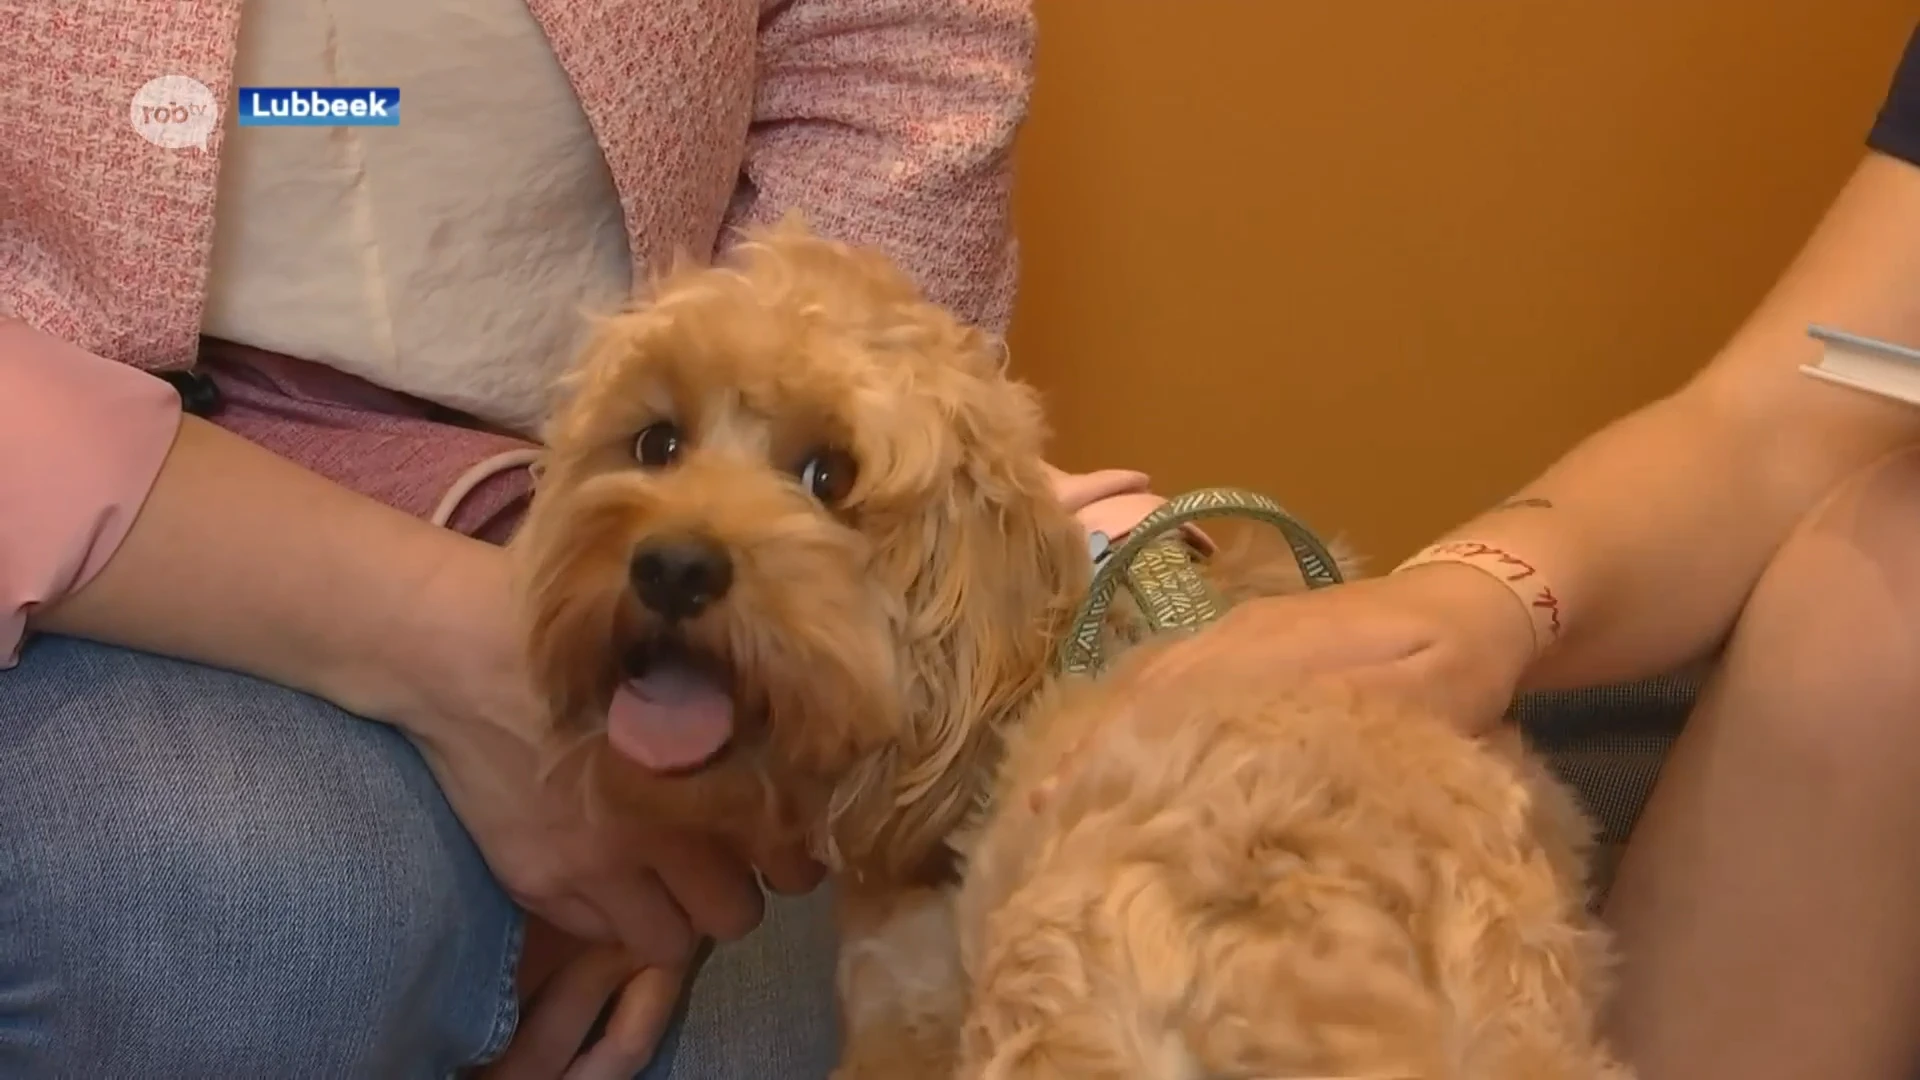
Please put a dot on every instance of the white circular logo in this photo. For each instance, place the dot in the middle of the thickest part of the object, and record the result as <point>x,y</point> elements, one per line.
<point>175,112</point>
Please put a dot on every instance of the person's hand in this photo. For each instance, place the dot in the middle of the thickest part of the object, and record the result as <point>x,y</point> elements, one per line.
<point>1447,635</point>
<point>1112,501</point>
<point>596,873</point>
<point>616,906</point>
<point>589,1012</point>
<point>1444,635</point>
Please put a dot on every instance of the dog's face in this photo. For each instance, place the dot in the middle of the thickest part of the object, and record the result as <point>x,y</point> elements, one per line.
<point>799,514</point>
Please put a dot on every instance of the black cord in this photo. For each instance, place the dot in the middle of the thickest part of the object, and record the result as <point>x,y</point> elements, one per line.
<point>199,394</point>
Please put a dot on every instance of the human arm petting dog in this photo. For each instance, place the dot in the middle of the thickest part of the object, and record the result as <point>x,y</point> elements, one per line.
<point>130,524</point>
<point>1654,531</point>
<point>1649,534</point>
<point>81,440</point>
<point>1755,515</point>
<point>156,521</point>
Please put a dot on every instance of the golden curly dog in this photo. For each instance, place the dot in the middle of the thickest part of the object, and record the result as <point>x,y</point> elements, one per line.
<point>800,513</point>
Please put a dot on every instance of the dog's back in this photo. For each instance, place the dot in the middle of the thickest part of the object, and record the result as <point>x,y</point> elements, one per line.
<point>1266,886</point>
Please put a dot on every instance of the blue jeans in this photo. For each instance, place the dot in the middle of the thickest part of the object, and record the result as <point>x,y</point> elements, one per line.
<point>203,875</point>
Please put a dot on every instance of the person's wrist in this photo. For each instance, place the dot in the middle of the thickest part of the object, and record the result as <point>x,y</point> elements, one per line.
<point>1487,619</point>
<point>446,592</point>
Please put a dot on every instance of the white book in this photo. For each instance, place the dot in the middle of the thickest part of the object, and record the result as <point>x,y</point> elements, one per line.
<point>1862,363</point>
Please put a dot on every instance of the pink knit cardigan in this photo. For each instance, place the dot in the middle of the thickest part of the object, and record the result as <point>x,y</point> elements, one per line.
<point>886,121</point>
<point>883,121</point>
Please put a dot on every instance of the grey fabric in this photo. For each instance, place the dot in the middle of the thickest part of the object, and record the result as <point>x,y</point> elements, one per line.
<point>1610,741</point>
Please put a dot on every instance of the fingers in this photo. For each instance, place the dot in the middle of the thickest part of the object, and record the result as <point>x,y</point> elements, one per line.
<point>634,1032</point>
<point>716,888</point>
<point>1079,490</point>
<point>544,951</point>
<point>555,1021</point>
<point>646,919</point>
<point>572,915</point>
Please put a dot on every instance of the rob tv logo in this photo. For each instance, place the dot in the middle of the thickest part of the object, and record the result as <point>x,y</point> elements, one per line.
<point>175,112</point>
<point>318,106</point>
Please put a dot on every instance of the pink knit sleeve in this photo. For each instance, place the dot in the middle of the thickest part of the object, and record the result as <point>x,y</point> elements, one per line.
<point>891,122</point>
<point>81,441</point>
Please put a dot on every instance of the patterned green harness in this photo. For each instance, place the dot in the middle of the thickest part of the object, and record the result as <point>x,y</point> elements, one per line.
<point>1158,568</point>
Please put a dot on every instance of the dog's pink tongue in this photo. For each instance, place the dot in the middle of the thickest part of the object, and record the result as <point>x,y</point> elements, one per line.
<point>673,717</point>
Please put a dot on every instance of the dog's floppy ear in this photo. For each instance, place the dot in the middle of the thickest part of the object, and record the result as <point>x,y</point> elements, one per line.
<point>994,569</point>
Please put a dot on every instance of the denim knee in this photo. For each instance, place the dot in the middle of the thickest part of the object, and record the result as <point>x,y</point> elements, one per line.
<point>202,875</point>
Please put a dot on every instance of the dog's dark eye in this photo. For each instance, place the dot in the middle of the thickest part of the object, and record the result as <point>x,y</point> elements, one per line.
<point>828,475</point>
<point>658,446</point>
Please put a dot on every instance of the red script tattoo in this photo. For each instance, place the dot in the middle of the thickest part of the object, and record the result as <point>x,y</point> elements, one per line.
<point>1509,568</point>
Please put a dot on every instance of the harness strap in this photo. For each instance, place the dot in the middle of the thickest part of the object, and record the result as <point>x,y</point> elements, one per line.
<point>1159,571</point>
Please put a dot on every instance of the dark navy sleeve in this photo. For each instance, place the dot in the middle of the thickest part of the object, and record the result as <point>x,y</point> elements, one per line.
<point>1896,131</point>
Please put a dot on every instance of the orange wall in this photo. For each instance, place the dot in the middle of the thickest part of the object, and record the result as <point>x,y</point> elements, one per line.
<point>1385,260</point>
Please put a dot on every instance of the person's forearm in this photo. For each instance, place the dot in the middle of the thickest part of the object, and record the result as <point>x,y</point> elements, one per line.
<point>243,560</point>
<point>1652,532</point>
<point>1649,536</point>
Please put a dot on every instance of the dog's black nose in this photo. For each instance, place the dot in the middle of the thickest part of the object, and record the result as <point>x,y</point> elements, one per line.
<point>679,577</point>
